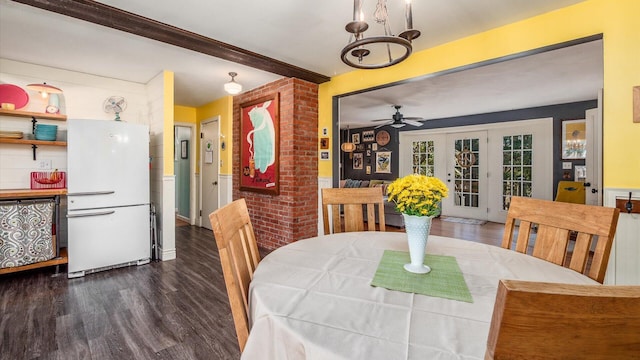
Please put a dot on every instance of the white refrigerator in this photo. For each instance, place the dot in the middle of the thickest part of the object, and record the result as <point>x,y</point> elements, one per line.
<point>107,195</point>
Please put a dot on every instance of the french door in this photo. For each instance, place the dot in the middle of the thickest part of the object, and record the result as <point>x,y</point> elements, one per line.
<point>466,177</point>
<point>483,169</point>
<point>458,159</point>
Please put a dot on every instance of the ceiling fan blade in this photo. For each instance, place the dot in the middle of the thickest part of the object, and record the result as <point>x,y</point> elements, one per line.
<point>381,125</point>
<point>414,123</point>
<point>412,118</point>
<point>382,120</point>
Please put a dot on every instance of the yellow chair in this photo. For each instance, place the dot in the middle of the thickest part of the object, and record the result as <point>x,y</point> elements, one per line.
<point>571,192</point>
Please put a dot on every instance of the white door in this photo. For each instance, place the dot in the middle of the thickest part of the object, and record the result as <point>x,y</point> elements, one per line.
<point>521,164</point>
<point>209,164</point>
<point>458,159</point>
<point>500,161</point>
<point>593,160</point>
<point>466,175</point>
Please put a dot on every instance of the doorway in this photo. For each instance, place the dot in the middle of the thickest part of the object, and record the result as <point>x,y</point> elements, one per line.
<point>184,165</point>
<point>209,169</point>
<point>483,165</point>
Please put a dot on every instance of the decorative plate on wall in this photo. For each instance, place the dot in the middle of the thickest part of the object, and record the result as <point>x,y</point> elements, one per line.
<point>13,94</point>
<point>382,137</point>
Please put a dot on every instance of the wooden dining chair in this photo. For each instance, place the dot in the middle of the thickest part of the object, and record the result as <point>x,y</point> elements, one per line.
<point>352,201</point>
<point>533,320</point>
<point>555,221</point>
<point>239,258</point>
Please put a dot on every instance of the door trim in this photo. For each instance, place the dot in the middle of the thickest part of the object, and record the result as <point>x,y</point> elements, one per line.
<point>216,160</point>
<point>192,173</point>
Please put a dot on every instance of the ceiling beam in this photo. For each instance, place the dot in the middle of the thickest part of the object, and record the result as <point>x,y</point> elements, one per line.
<point>101,14</point>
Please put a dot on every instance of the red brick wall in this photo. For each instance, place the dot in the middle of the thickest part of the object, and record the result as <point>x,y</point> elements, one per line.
<point>293,214</point>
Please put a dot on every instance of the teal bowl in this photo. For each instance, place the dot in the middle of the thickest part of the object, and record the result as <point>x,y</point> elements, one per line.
<point>46,132</point>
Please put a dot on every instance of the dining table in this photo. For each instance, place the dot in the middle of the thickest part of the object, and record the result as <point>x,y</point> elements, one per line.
<point>314,299</point>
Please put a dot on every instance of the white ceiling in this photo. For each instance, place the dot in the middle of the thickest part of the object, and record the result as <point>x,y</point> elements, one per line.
<point>302,33</point>
<point>560,76</point>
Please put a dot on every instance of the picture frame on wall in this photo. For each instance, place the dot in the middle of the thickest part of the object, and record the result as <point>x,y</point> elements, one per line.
<point>357,161</point>
<point>368,135</point>
<point>324,155</point>
<point>574,139</point>
<point>324,143</point>
<point>184,149</point>
<point>355,138</point>
<point>383,162</point>
<point>259,145</point>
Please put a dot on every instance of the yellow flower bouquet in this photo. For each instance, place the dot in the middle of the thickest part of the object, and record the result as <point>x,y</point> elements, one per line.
<point>417,195</point>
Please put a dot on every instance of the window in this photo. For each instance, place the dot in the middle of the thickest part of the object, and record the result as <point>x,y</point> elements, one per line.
<point>423,158</point>
<point>517,166</point>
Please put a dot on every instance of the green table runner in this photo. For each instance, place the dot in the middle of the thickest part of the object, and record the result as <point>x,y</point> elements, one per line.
<point>445,279</point>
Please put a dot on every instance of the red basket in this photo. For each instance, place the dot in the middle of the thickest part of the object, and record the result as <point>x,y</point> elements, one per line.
<point>48,180</point>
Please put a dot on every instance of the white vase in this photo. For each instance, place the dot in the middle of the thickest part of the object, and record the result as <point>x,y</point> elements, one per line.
<point>417,228</point>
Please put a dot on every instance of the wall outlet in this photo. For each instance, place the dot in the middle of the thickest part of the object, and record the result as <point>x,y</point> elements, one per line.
<point>44,164</point>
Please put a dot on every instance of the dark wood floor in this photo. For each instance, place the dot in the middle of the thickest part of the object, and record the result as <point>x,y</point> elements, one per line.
<point>163,310</point>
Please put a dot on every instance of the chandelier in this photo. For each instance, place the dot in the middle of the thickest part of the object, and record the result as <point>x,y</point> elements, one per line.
<point>232,87</point>
<point>377,51</point>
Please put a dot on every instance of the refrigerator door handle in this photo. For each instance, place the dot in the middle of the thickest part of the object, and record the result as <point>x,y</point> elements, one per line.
<point>69,216</point>
<point>92,193</point>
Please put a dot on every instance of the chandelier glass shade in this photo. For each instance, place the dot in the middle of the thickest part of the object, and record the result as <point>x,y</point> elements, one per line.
<point>232,87</point>
<point>377,51</point>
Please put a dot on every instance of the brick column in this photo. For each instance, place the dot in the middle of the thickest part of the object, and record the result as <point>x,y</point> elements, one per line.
<point>293,214</point>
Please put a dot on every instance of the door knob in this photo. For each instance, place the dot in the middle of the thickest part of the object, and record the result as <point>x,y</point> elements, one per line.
<point>593,191</point>
<point>587,184</point>
<point>215,183</point>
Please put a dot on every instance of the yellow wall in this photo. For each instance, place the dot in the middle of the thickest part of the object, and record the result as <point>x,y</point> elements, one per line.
<point>616,20</point>
<point>223,108</point>
<point>167,136</point>
<point>184,114</point>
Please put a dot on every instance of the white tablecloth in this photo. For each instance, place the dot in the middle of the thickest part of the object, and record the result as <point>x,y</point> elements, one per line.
<point>313,300</point>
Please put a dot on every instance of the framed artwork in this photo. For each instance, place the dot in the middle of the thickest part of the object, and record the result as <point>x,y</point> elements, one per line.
<point>324,155</point>
<point>636,104</point>
<point>368,135</point>
<point>259,145</point>
<point>355,138</point>
<point>383,162</point>
<point>574,139</point>
<point>324,143</point>
<point>368,152</point>
<point>357,161</point>
<point>374,147</point>
<point>368,170</point>
<point>184,149</point>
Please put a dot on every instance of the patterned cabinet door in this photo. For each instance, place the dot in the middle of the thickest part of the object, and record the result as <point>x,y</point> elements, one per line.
<point>26,232</point>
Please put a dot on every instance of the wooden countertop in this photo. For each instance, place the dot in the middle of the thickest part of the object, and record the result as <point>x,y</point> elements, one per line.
<point>20,193</point>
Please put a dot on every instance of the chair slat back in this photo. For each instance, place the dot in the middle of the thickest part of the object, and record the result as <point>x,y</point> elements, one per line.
<point>239,258</point>
<point>555,221</point>
<point>533,320</point>
<point>351,200</point>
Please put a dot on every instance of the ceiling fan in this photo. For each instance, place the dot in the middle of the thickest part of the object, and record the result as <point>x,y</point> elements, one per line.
<point>398,120</point>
